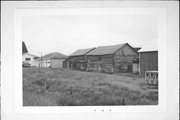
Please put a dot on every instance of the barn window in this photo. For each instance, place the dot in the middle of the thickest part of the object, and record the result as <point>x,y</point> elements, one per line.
<point>136,60</point>
<point>28,59</point>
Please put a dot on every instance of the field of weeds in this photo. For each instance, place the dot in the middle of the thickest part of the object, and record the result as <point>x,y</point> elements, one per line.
<point>63,87</point>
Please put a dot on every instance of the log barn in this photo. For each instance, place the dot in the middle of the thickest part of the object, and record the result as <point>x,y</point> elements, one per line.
<point>77,60</point>
<point>148,58</point>
<point>110,59</point>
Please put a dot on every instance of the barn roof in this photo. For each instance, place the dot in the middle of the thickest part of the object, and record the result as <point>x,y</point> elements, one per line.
<point>24,48</point>
<point>102,50</point>
<point>137,48</point>
<point>82,51</point>
<point>54,55</point>
<point>150,46</point>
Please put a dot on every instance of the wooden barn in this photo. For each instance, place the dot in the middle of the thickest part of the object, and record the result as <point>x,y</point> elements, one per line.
<point>148,58</point>
<point>116,58</point>
<point>77,60</point>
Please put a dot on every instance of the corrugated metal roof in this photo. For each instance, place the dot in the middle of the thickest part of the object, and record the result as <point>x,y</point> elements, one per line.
<point>102,50</point>
<point>54,55</point>
<point>81,52</point>
<point>150,46</point>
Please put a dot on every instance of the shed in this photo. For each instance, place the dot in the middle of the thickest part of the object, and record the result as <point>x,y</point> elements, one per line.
<point>53,60</point>
<point>115,58</point>
<point>77,60</point>
<point>148,56</point>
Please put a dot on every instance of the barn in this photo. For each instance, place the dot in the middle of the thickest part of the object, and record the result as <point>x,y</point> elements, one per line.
<point>115,58</point>
<point>148,58</point>
<point>53,60</point>
<point>78,59</point>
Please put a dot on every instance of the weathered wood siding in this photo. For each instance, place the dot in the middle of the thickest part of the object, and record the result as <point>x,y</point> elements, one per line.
<point>123,59</point>
<point>103,63</point>
<point>107,63</point>
<point>148,61</point>
<point>120,61</point>
<point>75,62</point>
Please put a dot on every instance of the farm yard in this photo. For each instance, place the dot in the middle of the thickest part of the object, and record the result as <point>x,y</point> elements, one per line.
<point>64,87</point>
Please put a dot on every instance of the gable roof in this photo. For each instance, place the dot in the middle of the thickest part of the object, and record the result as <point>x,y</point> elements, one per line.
<point>102,50</point>
<point>24,48</point>
<point>35,56</point>
<point>151,46</point>
<point>82,51</point>
<point>54,55</point>
<point>136,48</point>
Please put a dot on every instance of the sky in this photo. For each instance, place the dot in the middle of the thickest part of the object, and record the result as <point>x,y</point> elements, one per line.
<point>67,33</point>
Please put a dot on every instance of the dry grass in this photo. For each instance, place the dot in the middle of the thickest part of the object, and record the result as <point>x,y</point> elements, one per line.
<point>75,88</point>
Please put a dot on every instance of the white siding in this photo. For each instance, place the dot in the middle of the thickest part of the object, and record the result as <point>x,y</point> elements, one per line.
<point>30,59</point>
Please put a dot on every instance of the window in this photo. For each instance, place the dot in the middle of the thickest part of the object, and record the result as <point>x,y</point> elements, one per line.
<point>28,59</point>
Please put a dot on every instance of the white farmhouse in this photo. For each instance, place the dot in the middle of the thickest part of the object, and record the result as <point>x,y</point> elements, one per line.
<point>32,59</point>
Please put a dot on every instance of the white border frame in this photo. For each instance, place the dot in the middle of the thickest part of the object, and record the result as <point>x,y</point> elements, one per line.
<point>165,110</point>
<point>159,12</point>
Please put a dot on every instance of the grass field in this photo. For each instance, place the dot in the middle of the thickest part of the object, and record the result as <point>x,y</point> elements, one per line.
<point>62,87</point>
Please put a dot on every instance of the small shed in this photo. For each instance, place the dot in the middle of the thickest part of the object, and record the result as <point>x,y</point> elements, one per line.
<point>53,60</point>
<point>115,58</point>
<point>77,60</point>
<point>148,56</point>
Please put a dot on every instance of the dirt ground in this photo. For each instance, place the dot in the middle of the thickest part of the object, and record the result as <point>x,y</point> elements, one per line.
<point>63,87</point>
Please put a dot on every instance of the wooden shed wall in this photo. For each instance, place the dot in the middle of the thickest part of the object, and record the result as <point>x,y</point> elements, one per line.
<point>74,62</point>
<point>103,63</point>
<point>120,61</point>
<point>123,59</point>
<point>148,61</point>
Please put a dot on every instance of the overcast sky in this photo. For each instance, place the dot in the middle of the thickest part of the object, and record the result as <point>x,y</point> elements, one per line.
<point>67,33</point>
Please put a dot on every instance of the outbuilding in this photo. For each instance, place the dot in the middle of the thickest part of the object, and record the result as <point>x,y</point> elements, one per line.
<point>148,58</point>
<point>77,60</point>
<point>115,58</point>
<point>53,60</point>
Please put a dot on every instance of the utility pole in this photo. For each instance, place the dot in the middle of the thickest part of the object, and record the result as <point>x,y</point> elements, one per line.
<point>40,61</point>
<point>41,58</point>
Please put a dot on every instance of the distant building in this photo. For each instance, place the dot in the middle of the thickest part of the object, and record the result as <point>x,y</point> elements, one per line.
<point>148,58</point>
<point>29,58</point>
<point>77,60</point>
<point>53,60</point>
<point>115,58</point>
